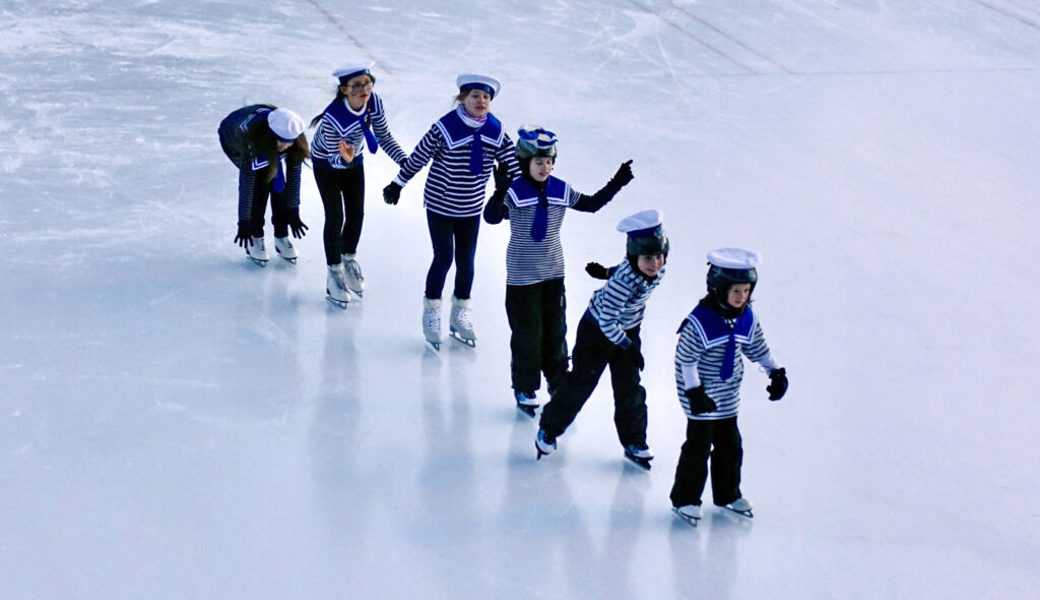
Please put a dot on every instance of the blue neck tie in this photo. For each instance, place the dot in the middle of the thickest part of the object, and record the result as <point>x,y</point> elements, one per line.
<point>476,157</point>
<point>278,184</point>
<point>541,218</point>
<point>370,139</point>
<point>731,355</point>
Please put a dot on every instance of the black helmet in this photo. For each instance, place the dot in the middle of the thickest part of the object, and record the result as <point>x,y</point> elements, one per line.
<point>720,278</point>
<point>655,241</point>
<point>535,141</point>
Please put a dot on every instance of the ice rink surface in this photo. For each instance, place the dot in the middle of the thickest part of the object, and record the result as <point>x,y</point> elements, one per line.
<point>176,422</point>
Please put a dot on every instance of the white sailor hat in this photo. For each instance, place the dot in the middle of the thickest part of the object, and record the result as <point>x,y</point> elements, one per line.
<point>285,124</point>
<point>734,258</point>
<point>472,81</point>
<point>352,70</point>
<point>641,224</point>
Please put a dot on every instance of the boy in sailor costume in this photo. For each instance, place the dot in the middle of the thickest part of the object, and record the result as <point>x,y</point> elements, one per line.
<point>267,145</point>
<point>608,335</point>
<point>708,374</point>
<point>535,204</point>
<point>464,145</point>
<point>353,121</point>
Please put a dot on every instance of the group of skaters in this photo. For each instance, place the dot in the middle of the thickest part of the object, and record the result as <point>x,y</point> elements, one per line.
<point>468,147</point>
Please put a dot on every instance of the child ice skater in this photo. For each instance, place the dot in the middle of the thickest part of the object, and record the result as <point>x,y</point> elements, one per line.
<point>608,335</point>
<point>708,373</point>
<point>535,204</point>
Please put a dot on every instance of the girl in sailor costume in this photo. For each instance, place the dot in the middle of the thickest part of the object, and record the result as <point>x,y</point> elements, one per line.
<point>608,335</point>
<point>535,204</point>
<point>354,120</point>
<point>464,146</point>
<point>268,146</point>
<point>708,373</point>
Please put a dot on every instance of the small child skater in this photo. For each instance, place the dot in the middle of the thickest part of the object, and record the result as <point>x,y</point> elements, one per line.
<point>708,373</point>
<point>608,335</point>
<point>535,204</point>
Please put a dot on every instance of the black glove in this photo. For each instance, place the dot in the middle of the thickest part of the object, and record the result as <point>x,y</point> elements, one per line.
<point>502,179</point>
<point>637,347</point>
<point>244,237</point>
<point>597,271</point>
<point>699,401</point>
<point>299,228</point>
<point>777,384</point>
<point>623,175</point>
<point>392,193</point>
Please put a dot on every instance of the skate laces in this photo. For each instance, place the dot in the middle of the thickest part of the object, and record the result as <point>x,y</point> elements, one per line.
<point>432,319</point>
<point>340,278</point>
<point>258,245</point>
<point>355,270</point>
<point>463,319</point>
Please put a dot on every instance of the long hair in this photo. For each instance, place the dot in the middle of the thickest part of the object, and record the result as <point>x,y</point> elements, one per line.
<point>339,97</point>
<point>294,155</point>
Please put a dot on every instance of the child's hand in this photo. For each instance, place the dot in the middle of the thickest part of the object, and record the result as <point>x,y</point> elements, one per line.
<point>777,384</point>
<point>346,151</point>
<point>597,270</point>
<point>700,402</point>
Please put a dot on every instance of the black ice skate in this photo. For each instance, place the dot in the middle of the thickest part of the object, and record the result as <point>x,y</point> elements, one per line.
<point>526,403</point>
<point>640,454</point>
<point>544,444</point>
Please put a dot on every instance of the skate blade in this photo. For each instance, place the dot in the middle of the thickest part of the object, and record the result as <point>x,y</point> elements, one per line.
<point>257,261</point>
<point>643,463</point>
<point>434,347</point>
<point>288,260</point>
<point>465,342</point>
<point>743,513</point>
<point>692,521</point>
<point>527,409</point>
<point>337,303</point>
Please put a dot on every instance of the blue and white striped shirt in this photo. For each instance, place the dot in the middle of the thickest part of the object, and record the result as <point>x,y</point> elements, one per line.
<point>451,189</point>
<point>529,261</point>
<point>618,306</point>
<point>700,351</point>
<point>340,122</point>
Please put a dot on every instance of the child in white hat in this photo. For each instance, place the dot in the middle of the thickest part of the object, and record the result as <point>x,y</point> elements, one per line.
<point>708,373</point>
<point>464,145</point>
<point>268,146</point>
<point>353,121</point>
<point>608,335</point>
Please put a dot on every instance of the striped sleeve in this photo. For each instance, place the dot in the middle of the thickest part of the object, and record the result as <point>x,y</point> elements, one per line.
<point>291,193</point>
<point>424,151</point>
<point>381,129</point>
<point>246,186</point>
<point>611,301</point>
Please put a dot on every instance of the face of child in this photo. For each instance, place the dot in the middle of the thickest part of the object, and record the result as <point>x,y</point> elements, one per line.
<point>477,103</point>
<point>738,295</point>
<point>357,90</point>
<point>541,167</point>
<point>650,264</point>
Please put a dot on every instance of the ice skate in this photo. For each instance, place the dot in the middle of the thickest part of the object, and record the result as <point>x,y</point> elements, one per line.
<point>691,513</point>
<point>336,286</point>
<point>740,506</point>
<point>641,454</point>
<point>284,248</point>
<point>257,253</point>
<point>526,403</point>
<point>355,280</point>
<point>431,323</point>
<point>461,322</point>
<point>544,444</point>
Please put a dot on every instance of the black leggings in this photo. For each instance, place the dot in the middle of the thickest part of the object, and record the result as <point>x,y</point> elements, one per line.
<point>343,196</point>
<point>454,238</point>
<point>279,209</point>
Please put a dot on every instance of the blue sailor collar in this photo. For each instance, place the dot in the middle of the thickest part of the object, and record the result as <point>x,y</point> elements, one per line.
<point>523,193</point>
<point>346,119</point>
<point>457,133</point>
<point>714,330</point>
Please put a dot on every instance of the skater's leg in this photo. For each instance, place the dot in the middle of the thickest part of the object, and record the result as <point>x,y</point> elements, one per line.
<point>466,230</point>
<point>261,190</point>
<point>280,214</point>
<point>354,200</point>
<point>328,181</point>
<point>629,395</point>
<point>592,351</point>
<point>523,308</point>
<point>442,238</point>
<point>726,460</point>
<point>554,332</point>
<point>691,473</point>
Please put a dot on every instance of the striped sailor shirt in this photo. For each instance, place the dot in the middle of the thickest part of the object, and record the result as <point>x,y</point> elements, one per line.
<point>618,306</point>
<point>340,122</point>
<point>700,351</point>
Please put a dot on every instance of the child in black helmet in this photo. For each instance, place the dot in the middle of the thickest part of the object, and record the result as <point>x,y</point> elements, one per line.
<point>535,204</point>
<point>608,335</point>
<point>708,373</point>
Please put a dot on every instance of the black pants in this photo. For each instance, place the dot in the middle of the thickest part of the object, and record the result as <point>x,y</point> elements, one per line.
<point>279,208</point>
<point>726,459</point>
<point>454,239</point>
<point>343,196</point>
<point>593,352</point>
<point>538,319</point>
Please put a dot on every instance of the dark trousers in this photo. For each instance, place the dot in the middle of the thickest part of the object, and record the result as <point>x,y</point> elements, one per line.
<point>454,239</point>
<point>343,196</point>
<point>279,208</point>
<point>726,459</point>
<point>538,319</point>
<point>593,352</point>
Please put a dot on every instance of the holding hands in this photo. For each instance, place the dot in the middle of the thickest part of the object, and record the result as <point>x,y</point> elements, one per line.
<point>392,193</point>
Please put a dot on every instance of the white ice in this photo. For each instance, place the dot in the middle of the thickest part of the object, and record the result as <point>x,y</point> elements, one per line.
<point>176,422</point>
